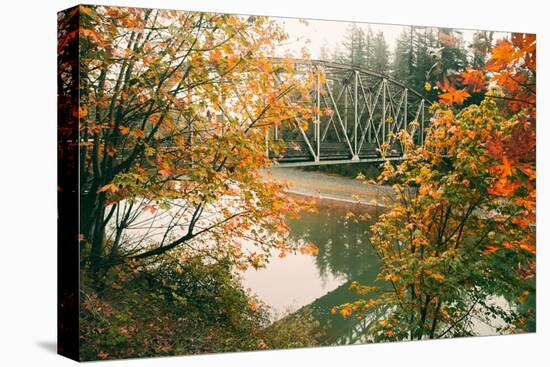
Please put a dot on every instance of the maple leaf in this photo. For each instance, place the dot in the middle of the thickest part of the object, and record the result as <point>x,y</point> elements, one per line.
<point>490,250</point>
<point>504,187</point>
<point>453,96</point>
<point>215,55</point>
<point>109,187</point>
<point>474,79</point>
<point>502,55</point>
<point>123,130</point>
<point>450,94</point>
<point>166,172</point>
<point>139,133</point>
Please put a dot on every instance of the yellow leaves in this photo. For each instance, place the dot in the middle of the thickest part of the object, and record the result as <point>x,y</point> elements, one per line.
<point>83,111</point>
<point>127,53</point>
<point>427,87</point>
<point>346,310</point>
<point>523,296</point>
<point>109,187</point>
<point>254,306</point>
<point>529,247</point>
<point>361,289</point>
<point>309,249</point>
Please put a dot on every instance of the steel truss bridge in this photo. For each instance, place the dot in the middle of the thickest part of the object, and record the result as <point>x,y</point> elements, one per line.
<point>368,110</point>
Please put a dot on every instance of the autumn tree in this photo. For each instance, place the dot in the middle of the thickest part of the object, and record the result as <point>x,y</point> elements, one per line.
<point>173,115</point>
<point>460,232</point>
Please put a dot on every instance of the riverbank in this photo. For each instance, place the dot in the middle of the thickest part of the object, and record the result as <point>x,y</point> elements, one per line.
<point>331,187</point>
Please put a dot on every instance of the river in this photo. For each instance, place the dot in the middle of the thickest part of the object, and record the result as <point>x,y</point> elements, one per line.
<point>321,281</point>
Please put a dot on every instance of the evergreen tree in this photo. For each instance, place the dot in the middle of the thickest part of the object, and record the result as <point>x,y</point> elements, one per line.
<point>379,59</point>
<point>427,56</point>
<point>404,60</point>
<point>481,46</point>
<point>355,47</point>
<point>454,57</point>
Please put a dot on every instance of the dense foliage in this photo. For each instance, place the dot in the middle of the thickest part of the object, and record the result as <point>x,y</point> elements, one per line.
<point>461,232</point>
<point>181,307</point>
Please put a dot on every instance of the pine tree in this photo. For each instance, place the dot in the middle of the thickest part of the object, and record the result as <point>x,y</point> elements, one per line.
<point>481,46</point>
<point>380,57</point>
<point>404,60</point>
<point>355,47</point>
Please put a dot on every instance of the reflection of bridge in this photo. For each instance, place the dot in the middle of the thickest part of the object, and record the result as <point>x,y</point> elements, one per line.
<point>364,113</point>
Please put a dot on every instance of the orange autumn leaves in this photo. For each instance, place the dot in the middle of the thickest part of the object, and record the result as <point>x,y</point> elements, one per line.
<point>451,95</point>
<point>509,65</point>
<point>511,69</point>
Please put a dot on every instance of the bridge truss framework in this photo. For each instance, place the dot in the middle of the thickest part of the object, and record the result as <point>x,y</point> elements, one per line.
<point>367,111</point>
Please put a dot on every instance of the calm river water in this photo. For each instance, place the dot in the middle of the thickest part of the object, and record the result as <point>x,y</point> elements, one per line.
<point>321,282</point>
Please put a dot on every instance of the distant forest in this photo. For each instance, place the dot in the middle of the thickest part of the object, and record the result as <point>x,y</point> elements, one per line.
<point>421,55</point>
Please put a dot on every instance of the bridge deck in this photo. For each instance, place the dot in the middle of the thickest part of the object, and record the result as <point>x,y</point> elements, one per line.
<point>297,154</point>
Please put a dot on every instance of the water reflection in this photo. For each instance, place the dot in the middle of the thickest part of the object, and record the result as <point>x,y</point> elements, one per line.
<point>322,281</point>
<point>342,239</point>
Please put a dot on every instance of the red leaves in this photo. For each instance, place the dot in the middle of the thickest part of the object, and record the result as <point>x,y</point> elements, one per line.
<point>138,133</point>
<point>504,187</point>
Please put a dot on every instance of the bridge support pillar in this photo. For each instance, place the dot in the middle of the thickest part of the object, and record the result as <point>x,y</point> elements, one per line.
<point>355,158</point>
